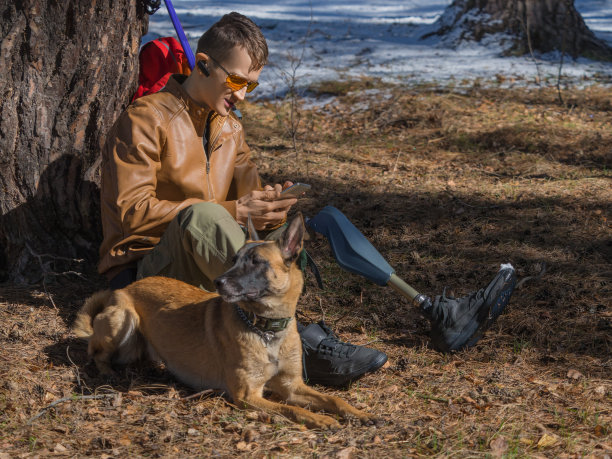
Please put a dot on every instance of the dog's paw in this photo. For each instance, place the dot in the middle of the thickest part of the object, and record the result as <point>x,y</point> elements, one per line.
<point>365,419</point>
<point>373,421</point>
<point>322,422</point>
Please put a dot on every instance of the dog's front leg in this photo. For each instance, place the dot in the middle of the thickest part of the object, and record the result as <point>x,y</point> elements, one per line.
<point>297,393</point>
<point>253,399</point>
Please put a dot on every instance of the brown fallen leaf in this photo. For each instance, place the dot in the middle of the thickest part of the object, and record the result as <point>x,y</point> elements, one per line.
<point>125,441</point>
<point>548,440</point>
<point>347,453</point>
<point>526,441</point>
<point>600,390</point>
<point>250,435</point>
<point>392,389</point>
<point>600,430</point>
<point>335,439</point>
<point>281,447</point>
<point>499,446</point>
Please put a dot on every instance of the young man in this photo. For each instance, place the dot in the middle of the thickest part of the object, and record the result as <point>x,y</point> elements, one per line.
<point>178,183</point>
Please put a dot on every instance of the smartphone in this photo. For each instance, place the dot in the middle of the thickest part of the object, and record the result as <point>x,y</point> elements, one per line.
<point>295,191</point>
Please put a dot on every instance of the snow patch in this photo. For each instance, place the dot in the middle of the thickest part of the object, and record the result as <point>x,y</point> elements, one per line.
<point>381,38</point>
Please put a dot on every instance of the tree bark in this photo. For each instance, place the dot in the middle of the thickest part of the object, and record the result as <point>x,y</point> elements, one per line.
<point>530,25</point>
<point>67,69</point>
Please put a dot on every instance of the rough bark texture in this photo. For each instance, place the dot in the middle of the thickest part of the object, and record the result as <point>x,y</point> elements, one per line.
<point>67,69</point>
<point>538,25</point>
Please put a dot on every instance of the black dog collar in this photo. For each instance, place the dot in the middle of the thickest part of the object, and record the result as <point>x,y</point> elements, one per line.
<point>263,326</point>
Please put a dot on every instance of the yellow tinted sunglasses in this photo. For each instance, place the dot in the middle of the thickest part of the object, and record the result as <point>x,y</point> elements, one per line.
<point>235,82</point>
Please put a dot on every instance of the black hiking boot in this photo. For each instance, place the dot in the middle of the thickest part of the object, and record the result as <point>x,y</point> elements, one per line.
<point>330,362</point>
<point>458,323</point>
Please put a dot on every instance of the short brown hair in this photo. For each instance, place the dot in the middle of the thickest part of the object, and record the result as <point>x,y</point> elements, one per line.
<point>235,29</point>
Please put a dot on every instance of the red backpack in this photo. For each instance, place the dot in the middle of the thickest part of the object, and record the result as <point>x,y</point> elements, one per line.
<point>159,59</point>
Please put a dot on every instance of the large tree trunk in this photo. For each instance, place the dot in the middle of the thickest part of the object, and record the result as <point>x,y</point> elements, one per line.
<point>67,69</point>
<point>538,25</point>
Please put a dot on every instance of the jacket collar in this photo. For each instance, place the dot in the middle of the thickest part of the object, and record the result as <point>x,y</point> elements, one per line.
<point>198,113</point>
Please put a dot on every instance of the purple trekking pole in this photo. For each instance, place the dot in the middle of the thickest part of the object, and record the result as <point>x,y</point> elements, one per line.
<point>180,33</point>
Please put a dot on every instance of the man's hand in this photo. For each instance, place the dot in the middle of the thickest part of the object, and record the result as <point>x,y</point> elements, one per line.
<point>266,207</point>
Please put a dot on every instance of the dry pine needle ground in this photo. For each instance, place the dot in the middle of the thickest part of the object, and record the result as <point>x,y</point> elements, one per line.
<point>446,184</point>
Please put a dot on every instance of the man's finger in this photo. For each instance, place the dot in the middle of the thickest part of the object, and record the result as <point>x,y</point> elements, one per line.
<point>270,195</point>
<point>274,218</point>
<point>282,204</point>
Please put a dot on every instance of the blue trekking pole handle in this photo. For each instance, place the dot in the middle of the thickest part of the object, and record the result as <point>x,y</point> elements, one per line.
<point>181,34</point>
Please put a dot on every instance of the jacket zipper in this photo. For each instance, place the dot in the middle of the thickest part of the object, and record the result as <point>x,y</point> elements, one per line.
<point>207,152</point>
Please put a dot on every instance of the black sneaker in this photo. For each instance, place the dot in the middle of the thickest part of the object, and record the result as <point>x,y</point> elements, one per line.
<point>330,362</point>
<point>458,323</point>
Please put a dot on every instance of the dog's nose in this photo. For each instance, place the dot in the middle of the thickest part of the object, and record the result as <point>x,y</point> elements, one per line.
<point>220,282</point>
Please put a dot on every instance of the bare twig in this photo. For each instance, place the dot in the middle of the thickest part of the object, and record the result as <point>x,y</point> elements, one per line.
<point>75,368</point>
<point>537,276</point>
<point>202,393</point>
<point>470,205</point>
<point>435,399</point>
<point>69,399</point>
<point>526,29</point>
<point>44,266</point>
<point>291,78</point>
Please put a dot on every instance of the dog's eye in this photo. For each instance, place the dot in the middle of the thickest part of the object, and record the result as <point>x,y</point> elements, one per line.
<point>256,261</point>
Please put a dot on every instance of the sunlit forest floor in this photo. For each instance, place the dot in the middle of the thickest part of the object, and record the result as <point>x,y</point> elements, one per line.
<point>447,184</point>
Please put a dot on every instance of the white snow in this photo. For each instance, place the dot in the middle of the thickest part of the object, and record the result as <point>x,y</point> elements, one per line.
<point>328,39</point>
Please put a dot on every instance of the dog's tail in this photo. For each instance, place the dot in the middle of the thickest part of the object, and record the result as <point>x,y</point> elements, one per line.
<point>83,324</point>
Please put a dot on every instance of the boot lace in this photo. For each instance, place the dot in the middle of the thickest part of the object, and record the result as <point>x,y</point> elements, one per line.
<point>331,345</point>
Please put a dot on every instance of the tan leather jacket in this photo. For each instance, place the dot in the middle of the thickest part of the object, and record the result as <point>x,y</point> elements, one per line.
<point>154,165</point>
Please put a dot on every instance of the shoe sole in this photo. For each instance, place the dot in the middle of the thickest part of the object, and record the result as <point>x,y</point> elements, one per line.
<point>493,308</point>
<point>333,381</point>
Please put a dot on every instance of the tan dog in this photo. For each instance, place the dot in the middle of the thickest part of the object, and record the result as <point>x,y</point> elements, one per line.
<point>242,340</point>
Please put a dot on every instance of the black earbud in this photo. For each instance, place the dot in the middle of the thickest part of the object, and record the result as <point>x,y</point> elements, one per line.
<point>203,68</point>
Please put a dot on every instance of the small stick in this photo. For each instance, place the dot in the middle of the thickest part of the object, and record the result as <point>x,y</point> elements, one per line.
<point>67,399</point>
<point>198,394</point>
<point>537,276</point>
<point>470,205</point>
<point>76,369</point>
<point>435,399</point>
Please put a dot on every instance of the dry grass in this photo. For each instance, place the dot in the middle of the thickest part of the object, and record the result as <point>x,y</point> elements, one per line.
<point>447,185</point>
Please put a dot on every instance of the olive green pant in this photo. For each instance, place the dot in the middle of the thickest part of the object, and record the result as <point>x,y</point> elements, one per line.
<point>197,247</point>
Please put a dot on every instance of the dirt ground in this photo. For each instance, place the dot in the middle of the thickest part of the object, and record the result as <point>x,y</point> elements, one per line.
<point>447,184</point>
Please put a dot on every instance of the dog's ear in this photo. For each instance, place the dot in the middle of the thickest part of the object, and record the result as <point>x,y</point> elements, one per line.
<point>292,239</point>
<point>252,232</point>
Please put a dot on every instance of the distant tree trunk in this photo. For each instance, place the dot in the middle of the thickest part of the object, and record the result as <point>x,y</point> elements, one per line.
<point>540,25</point>
<point>67,69</point>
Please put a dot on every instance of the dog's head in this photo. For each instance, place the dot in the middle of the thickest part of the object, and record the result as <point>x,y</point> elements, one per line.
<point>266,278</point>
